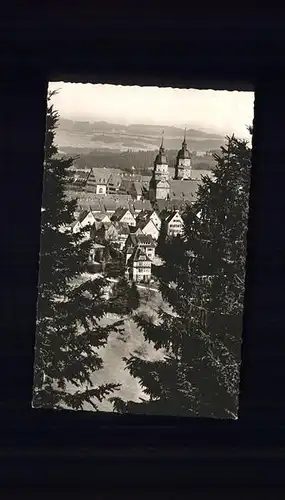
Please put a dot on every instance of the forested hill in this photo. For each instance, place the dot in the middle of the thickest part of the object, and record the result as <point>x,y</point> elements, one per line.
<point>136,129</point>
<point>138,160</point>
<point>114,137</point>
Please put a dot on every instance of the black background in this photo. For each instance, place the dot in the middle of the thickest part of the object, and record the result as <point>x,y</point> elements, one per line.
<point>221,49</point>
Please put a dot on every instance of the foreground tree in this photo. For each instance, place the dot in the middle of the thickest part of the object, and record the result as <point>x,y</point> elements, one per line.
<point>70,323</point>
<point>125,296</point>
<point>115,265</point>
<point>202,280</point>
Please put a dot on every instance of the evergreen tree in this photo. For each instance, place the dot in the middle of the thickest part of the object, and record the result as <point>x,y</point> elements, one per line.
<point>125,296</point>
<point>115,263</point>
<point>202,280</point>
<point>133,298</point>
<point>69,326</point>
<point>162,238</point>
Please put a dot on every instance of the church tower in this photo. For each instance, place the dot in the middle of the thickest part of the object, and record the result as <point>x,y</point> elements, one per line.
<point>183,162</point>
<point>159,185</point>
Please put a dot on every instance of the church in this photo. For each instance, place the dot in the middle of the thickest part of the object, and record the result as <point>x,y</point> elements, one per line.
<point>182,186</point>
<point>159,183</point>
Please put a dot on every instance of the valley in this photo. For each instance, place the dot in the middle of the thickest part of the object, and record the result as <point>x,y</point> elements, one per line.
<point>114,138</point>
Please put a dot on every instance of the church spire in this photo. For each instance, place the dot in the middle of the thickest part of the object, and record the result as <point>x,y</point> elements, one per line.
<point>184,143</point>
<point>162,142</point>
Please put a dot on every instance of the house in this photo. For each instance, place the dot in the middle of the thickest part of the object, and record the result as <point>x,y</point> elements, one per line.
<point>142,241</point>
<point>96,260</point>
<point>99,219</point>
<point>77,178</point>
<point>140,205</point>
<point>162,206</point>
<point>139,266</point>
<point>183,189</point>
<point>123,232</point>
<point>97,225</point>
<point>174,224</point>
<point>112,202</point>
<point>131,187</point>
<point>94,205</point>
<point>96,253</point>
<point>148,227</point>
<point>124,215</point>
<point>75,226</point>
<point>115,233</point>
<point>125,186</point>
<point>152,215</point>
<point>85,218</point>
<point>136,190</point>
<point>110,206</point>
<point>106,232</point>
<point>135,230</point>
<point>145,180</point>
<point>113,183</point>
<point>97,181</point>
<point>102,217</point>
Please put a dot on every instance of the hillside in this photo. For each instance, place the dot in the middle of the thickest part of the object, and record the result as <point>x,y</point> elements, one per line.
<point>141,161</point>
<point>105,136</point>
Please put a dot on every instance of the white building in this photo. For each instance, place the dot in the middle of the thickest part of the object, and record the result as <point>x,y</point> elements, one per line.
<point>149,228</point>
<point>174,224</point>
<point>139,266</point>
<point>101,217</point>
<point>146,215</point>
<point>85,219</point>
<point>124,215</point>
<point>142,241</point>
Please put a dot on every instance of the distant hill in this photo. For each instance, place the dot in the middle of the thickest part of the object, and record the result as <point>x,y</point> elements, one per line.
<point>102,136</point>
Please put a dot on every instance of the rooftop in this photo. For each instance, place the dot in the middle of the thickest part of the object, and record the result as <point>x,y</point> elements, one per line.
<point>119,213</point>
<point>83,215</point>
<point>100,216</point>
<point>122,228</point>
<point>143,239</point>
<point>115,179</point>
<point>183,189</point>
<point>142,205</point>
<point>170,215</point>
<point>139,254</point>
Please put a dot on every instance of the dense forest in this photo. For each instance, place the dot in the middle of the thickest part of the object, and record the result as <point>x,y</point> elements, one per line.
<point>139,160</point>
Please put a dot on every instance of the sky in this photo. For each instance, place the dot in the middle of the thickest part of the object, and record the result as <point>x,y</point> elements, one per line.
<point>217,111</point>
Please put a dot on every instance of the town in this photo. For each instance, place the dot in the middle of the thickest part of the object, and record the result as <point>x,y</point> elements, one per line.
<point>130,212</point>
<point>143,246</point>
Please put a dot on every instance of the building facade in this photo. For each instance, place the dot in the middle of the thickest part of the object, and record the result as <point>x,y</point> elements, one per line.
<point>125,216</point>
<point>139,266</point>
<point>142,241</point>
<point>174,225</point>
<point>146,215</point>
<point>149,228</point>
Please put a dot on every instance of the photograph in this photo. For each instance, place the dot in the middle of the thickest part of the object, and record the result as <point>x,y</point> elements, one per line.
<point>143,248</point>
